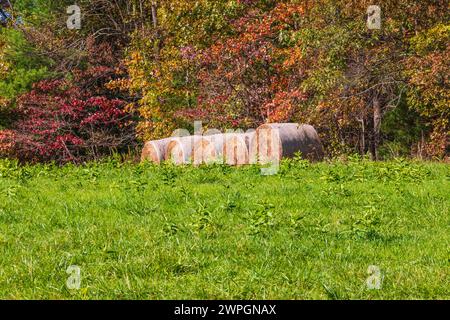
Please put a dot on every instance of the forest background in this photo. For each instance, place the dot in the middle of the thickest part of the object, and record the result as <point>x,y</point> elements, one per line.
<point>138,69</point>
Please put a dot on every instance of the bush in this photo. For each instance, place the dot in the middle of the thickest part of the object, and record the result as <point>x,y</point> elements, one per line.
<point>62,122</point>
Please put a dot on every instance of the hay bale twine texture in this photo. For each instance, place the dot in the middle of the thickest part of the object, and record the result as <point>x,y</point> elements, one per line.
<point>229,148</point>
<point>180,150</point>
<point>275,141</point>
<point>155,151</point>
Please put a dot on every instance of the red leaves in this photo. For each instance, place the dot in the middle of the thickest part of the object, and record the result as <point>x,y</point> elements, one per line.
<point>282,105</point>
<point>59,121</point>
<point>72,120</point>
<point>244,79</point>
<point>109,111</point>
<point>47,85</point>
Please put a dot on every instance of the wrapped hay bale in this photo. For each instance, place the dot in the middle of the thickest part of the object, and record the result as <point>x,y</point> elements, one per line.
<point>275,141</point>
<point>155,151</point>
<point>229,148</point>
<point>180,150</point>
<point>204,151</point>
<point>236,149</point>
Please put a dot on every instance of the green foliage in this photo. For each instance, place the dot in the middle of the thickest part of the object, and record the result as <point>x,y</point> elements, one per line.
<point>402,128</point>
<point>427,71</point>
<point>25,65</point>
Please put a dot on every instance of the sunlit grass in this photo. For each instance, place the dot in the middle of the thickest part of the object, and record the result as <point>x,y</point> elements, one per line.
<point>147,232</point>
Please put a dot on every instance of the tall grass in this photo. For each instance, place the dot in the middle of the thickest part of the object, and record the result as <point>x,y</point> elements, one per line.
<point>165,232</point>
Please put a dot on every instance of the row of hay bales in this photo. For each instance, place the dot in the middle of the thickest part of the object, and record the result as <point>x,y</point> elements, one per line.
<point>268,144</point>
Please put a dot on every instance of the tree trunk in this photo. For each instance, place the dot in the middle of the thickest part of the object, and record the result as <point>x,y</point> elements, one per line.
<point>376,126</point>
<point>362,142</point>
<point>155,26</point>
<point>154,14</point>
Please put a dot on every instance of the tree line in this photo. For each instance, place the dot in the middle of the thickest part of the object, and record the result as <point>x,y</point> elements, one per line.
<point>138,69</point>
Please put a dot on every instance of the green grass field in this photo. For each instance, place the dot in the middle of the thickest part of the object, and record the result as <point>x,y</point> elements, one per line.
<point>147,232</point>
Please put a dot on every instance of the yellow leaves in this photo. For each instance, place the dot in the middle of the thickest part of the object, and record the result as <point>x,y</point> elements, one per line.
<point>4,67</point>
<point>294,56</point>
<point>429,81</point>
<point>151,129</point>
<point>150,79</point>
<point>436,38</point>
<point>3,102</point>
<point>119,84</point>
<point>137,76</point>
<point>149,113</point>
<point>135,58</point>
<point>130,108</point>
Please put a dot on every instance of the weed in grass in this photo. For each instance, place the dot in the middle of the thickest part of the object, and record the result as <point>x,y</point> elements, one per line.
<point>203,221</point>
<point>364,224</point>
<point>262,218</point>
<point>233,202</point>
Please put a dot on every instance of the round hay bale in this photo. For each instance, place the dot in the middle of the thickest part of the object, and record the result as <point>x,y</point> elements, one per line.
<point>236,148</point>
<point>180,149</point>
<point>275,141</point>
<point>155,151</point>
<point>209,149</point>
<point>229,148</point>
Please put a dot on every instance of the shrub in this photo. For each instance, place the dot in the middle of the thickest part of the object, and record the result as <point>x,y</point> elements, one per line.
<point>62,122</point>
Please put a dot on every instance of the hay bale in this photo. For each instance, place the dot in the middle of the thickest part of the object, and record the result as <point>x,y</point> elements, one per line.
<point>155,151</point>
<point>205,150</point>
<point>275,141</point>
<point>236,148</point>
<point>180,149</point>
<point>229,148</point>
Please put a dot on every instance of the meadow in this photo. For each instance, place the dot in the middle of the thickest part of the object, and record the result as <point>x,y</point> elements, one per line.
<point>140,231</point>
